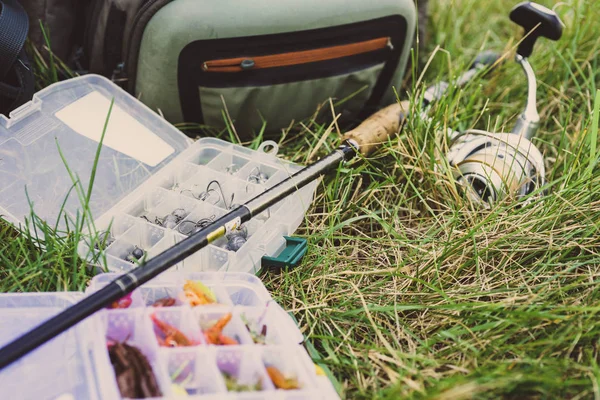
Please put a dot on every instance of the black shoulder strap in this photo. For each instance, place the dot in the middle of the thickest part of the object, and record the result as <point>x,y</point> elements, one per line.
<point>14,26</point>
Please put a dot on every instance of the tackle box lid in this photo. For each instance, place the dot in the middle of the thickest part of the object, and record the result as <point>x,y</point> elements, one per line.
<point>146,168</point>
<point>48,147</point>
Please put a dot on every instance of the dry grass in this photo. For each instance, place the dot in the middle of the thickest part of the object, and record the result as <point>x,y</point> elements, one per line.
<point>408,291</point>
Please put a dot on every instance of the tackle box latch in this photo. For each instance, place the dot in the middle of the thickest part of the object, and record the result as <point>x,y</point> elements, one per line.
<point>290,256</point>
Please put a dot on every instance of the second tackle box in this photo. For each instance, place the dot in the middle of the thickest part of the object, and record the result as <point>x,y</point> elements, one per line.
<point>148,187</point>
<point>196,336</point>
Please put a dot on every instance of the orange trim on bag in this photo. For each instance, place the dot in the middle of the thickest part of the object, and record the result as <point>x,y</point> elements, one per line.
<point>295,58</point>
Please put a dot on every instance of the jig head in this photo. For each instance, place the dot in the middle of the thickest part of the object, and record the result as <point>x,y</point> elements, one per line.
<point>171,220</point>
<point>258,177</point>
<point>103,240</point>
<point>135,255</point>
<point>189,227</point>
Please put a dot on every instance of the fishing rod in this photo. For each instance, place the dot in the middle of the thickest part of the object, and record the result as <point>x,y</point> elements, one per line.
<point>489,165</point>
<point>363,140</point>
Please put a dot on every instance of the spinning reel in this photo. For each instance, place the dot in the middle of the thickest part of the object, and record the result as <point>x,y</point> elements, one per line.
<point>490,166</point>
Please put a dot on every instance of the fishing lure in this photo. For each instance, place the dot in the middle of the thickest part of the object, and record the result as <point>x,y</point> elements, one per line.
<point>189,227</point>
<point>135,255</point>
<point>169,336</point>
<point>104,240</point>
<point>258,177</point>
<point>280,381</point>
<point>257,337</point>
<point>232,169</point>
<point>123,302</point>
<point>233,386</point>
<point>197,294</point>
<point>236,238</point>
<point>135,377</point>
<point>164,302</point>
<point>210,194</point>
<point>214,334</point>
<point>235,243</point>
<point>171,220</point>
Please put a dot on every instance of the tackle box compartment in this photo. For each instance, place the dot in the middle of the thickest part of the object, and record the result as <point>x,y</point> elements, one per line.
<point>63,368</point>
<point>152,185</point>
<point>77,364</point>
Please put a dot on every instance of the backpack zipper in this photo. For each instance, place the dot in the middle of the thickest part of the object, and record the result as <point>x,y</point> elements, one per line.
<point>240,64</point>
<point>135,21</point>
<point>92,24</point>
<point>130,64</point>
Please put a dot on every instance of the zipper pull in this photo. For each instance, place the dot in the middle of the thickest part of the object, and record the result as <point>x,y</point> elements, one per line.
<point>247,64</point>
<point>389,44</point>
<point>118,75</point>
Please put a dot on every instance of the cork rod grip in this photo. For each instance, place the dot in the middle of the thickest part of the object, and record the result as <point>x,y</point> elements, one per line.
<point>379,127</point>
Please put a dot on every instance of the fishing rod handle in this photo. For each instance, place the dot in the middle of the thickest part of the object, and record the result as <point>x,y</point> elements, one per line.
<point>379,127</point>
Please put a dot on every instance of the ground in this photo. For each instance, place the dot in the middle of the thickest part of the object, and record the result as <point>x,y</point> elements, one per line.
<point>407,290</point>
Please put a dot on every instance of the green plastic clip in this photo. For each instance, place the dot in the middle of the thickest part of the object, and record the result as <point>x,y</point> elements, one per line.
<point>295,249</point>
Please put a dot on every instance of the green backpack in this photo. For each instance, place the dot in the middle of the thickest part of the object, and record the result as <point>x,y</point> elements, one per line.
<point>273,61</point>
<point>197,62</point>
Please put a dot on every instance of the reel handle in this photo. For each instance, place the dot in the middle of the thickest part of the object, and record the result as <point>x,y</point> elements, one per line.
<point>379,127</point>
<point>538,21</point>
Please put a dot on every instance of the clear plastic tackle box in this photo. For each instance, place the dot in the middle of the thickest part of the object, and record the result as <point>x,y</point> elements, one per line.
<point>152,186</point>
<point>77,364</point>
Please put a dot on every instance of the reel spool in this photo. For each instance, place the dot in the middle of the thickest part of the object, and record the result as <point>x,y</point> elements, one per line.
<point>491,166</point>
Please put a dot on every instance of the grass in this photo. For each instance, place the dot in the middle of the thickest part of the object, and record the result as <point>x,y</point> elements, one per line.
<point>409,291</point>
